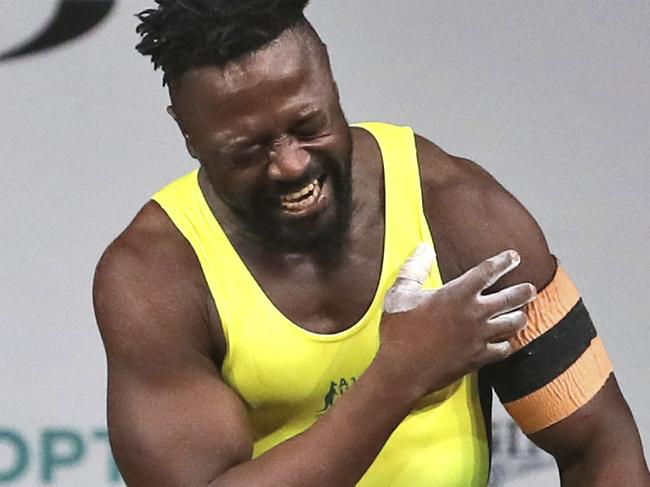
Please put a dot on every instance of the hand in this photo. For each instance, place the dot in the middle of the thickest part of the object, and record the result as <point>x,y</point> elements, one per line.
<point>431,338</point>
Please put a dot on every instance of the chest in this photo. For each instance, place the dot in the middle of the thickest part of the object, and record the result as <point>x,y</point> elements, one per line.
<point>324,296</point>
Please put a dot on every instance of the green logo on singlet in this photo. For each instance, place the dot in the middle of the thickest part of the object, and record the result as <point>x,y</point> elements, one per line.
<point>337,388</point>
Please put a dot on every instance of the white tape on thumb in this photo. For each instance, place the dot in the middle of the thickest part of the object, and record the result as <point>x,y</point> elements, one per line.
<point>407,291</point>
<point>418,266</point>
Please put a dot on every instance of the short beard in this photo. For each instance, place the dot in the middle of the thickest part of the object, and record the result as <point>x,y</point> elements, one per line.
<point>326,231</point>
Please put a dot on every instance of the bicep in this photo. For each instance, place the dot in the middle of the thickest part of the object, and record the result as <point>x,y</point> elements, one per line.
<point>472,218</point>
<point>174,425</point>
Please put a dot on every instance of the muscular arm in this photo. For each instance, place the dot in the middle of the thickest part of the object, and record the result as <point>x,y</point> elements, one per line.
<point>472,216</point>
<point>172,420</point>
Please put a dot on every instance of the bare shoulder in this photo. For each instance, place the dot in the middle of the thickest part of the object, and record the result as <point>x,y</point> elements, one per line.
<point>149,276</point>
<point>473,217</point>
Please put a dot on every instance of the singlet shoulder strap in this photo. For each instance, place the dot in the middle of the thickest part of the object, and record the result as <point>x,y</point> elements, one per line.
<point>224,271</point>
<point>405,214</point>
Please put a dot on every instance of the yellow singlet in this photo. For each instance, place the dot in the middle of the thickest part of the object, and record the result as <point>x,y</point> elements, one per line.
<point>288,376</point>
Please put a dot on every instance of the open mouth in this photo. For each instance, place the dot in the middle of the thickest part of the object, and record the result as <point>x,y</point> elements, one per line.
<point>302,200</point>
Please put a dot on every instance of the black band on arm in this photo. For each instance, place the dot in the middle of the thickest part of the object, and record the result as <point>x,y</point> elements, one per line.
<point>545,358</point>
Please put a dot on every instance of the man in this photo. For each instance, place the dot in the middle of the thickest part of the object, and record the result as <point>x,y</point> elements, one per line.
<point>253,332</point>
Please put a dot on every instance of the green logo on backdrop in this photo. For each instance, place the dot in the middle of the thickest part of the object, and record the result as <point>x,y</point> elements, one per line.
<point>55,450</point>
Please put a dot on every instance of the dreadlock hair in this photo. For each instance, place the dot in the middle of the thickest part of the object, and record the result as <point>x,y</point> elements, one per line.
<point>183,34</point>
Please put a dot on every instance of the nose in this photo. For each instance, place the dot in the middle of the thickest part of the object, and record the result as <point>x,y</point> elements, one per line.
<point>288,160</point>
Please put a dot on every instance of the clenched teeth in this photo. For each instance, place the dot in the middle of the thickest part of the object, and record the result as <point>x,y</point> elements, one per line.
<point>303,199</point>
<point>293,197</point>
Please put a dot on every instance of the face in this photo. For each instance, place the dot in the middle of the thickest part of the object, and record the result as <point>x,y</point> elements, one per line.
<point>273,141</point>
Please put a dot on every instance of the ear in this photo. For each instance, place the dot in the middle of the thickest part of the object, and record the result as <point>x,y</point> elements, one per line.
<point>188,142</point>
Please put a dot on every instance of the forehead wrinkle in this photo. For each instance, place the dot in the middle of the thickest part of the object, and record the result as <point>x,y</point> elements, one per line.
<point>215,97</point>
<point>242,95</point>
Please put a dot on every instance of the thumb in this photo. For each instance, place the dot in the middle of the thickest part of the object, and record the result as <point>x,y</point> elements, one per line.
<point>417,267</point>
<point>407,293</point>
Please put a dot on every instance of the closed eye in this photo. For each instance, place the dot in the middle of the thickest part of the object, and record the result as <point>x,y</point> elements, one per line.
<point>311,127</point>
<point>249,156</point>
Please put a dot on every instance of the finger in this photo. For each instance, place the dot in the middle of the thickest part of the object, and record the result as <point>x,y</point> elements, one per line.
<point>417,267</point>
<point>502,327</point>
<point>489,271</point>
<point>496,352</point>
<point>508,299</point>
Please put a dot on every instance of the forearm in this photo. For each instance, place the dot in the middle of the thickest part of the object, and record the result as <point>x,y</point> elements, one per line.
<point>337,449</point>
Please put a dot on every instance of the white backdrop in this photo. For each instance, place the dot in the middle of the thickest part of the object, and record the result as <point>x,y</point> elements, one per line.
<point>551,97</point>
